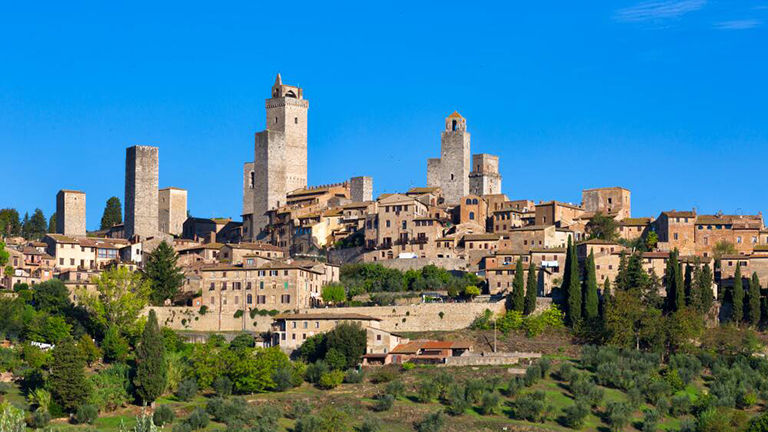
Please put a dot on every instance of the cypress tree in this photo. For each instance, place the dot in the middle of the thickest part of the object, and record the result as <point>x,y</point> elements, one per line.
<point>573,312</point>
<point>737,296</point>
<point>566,271</point>
<point>694,301</point>
<point>531,290</point>
<point>68,384</point>
<point>590,289</point>
<point>52,223</point>
<point>113,213</point>
<point>606,297</point>
<point>151,369</point>
<point>754,300</point>
<point>688,284</point>
<point>518,287</point>
<point>621,276</point>
<point>674,284</point>
<point>705,289</point>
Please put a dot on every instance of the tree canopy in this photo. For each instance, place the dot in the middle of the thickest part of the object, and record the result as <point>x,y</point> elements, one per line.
<point>163,273</point>
<point>113,213</point>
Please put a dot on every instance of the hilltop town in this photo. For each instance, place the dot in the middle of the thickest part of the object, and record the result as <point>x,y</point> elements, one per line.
<point>429,276</point>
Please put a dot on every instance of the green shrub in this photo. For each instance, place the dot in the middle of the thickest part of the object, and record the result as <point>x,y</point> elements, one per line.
<point>395,388</point>
<point>427,391</point>
<point>111,387</point>
<point>315,371</point>
<point>490,403</point>
<point>222,386</point>
<point>39,419</point>
<point>532,375</point>
<point>530,407</point>
<point>575,415</point>
<point>408,366</point>
<point>681,405</point>
<point>371,424</point>
<point>650,421</point>
<point>238,314</point>
<point>566,372</point>
<point>331,380</point>
<point>309,423</point>
<point>187,389</point>
<point>86,414</point>
<point>474,390</point>
<point>198,419</point>
<point>353,376</point>
<point>203,310</point>
<point>384,402</point>
<point>514,385</point>
<point>299,409</point>
<point>163,415</point>
<point>456,400</point>
<point>383,375</point>
<point>283,378</point>
<point>618,415</point>
<point>431,423</point>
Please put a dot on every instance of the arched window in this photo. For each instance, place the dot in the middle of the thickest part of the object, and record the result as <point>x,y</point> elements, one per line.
<point>469,201</point>
<point>249,299</point>
<point>474,201</point>
<point>472,215</point>
<point>454,125</point>
<point>451,176</point>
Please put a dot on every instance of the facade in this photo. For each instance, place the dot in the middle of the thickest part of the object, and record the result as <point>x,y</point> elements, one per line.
<point>141,193</point>
<point>557,213</point>
<point>361,188</point>
<point>450,172</point>
<point>484,179</point>
<point>172,207</point>
<point>610,201</point>
<point>291,330</point>
<point>280,156</point>
<point>70,213</point>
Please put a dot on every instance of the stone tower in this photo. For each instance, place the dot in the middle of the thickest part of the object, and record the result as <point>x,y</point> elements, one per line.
<point>484,179</point>
<point>172,207</point>
<point>451,171</point>
<point>141,180</point>
<point>280,156</point>
<point>70,213</point>
<point>361,189</point>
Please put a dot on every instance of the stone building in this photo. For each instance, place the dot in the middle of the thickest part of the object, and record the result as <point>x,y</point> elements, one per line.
<point>484,179</point>
<point>70,213</point>
<point>633,228</point>
<point>450,172</point>
<point>472,208</point>
<point>361,188</point>
<point>291,330</point>
<point>609,200</point>
<point>141,183</point>
<point>280,156</point>
<point>557,213</point>
<point>676,231</point>
<point>172,205</point>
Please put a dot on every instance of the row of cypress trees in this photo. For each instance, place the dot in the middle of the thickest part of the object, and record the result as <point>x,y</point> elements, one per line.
<point>523,295</point>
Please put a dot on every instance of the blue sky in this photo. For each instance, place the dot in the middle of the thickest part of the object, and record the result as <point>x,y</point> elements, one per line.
<point>667,98</point>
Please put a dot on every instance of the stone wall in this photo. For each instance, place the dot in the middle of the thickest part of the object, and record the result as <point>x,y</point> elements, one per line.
<point>189,318</point>
<point>417,263</point>
<point>249,179</point>
<point>70,213</point>
<point>361,189</point>
<point>141,189</point>
<point>491,359</point>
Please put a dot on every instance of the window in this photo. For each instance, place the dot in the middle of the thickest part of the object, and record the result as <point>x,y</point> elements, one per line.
<point>212,287</point>
<point>675,236</point>
<point>249,299</point>
<point>472,215</point>
<point>738,239</point>
<point>405,225</point>
<point>387,224</point>
<point>469,201</point>
<point>295,120</point>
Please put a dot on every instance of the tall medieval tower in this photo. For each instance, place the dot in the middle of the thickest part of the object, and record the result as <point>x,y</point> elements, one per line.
<point>451,171</point>
<point>280,157</point>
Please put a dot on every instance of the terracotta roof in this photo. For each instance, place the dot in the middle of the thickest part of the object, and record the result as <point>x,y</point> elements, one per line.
<point>326,316</point>
<point>413,347</point>
<point>675,213</point>
<point>655,254</point>
<point>254,246</point>
<point>455,114</point>
<point>635,221</point>
<point>487,236</point>
<point>61,238</point>
<point>548,250</point>
<point>422,190</point>
<point>597,241</point>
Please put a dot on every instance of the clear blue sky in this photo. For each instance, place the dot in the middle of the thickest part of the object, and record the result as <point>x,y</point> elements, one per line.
<point>667,98</point>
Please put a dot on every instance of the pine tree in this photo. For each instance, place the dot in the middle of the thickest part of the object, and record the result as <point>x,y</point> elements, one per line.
<point>753,301</point>
<point>573,312</point>
<point>151,369</point>
<point>737,296</point>
<point>531,290</point>
<point>606,298</point>
<point>36,226</point>
<point>113,213</point>
<point>705,289</point>
<point>163,273</point>
<point>67,381</point>
<point>52,223</point>
<point>590,289</point>
<point>9,222</point>
<point>518,287</point>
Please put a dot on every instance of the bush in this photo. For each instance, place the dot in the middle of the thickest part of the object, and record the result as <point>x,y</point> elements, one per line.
<point>353,376</point>
<point>330,380</point>
<point>427,391</point>
<point>681,405</point>
<point>182,427</point>
<point>371,424</point>
<point>618,414</point>
<point>238,314</point>
<point>383,375</point>
<point>299,409</point>
<point>431,423</point>
<point>650,421</point>
<point>87,414</point>
<point>395,388</point>
<point>530,407</point>
<point>475,388</point>
<point>163,415</point>
<point>315,371</point>
<point>111,387</point>
<point>574,415</point>
<point>198,419</point>
<point>203,310</point>
<point>283,378</point>
<point>384,402</point>
<point>222,386</point>
<point>39,419</point>
<point>309,423</point>
<point>532,374</point>
<point>514,385</point>
<point>187,389</point>
<point>490,403</point>
<point>408,366</point>
<point>566,372</point>
<point>456,400</point>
